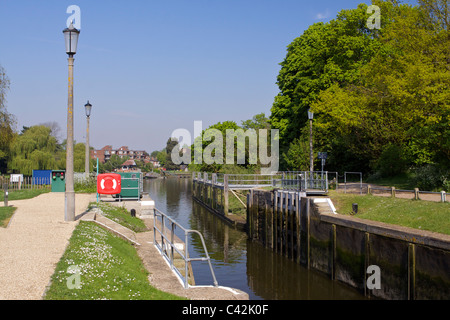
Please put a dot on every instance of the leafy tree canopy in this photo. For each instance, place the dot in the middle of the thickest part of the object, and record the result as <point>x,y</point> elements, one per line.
<point>369,89</point>
<point>33,150</point>
<point>7,122</point>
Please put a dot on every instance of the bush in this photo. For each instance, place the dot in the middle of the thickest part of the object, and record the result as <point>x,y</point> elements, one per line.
<point>86,186</point>
<point>432,177</point>
<point>392,161</point>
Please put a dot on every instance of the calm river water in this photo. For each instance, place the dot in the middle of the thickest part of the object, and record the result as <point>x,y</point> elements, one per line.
<point>238,262</point>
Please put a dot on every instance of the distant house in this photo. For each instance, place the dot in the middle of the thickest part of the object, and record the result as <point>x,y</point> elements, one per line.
<point>105,153</point>
<point>128,166</point>
<point>154,162</point>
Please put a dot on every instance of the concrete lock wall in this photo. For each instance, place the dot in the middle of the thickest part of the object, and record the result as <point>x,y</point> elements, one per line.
<point>412,264</point>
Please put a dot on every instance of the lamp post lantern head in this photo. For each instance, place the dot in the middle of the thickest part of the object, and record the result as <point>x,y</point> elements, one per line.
<point>71,36</point>
<point>88,108</point>
<point>310,115</point>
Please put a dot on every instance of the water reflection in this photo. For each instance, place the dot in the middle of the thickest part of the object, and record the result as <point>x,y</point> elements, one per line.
<point>237,262</point>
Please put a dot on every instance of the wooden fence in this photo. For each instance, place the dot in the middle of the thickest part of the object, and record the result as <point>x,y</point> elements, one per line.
<point>24,183</point>
<point>408,194</point>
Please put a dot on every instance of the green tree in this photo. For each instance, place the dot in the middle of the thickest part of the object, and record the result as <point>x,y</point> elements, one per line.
<point>145,167</point>
<point>162,157</point>
<point>369,88</point>
<point>79,157</point>
<point>170,147</point>
<point>212,147</point>
<point>240,156</point>
<point>79,154</point>
<point>392,161</point>
<point>402,97</point>
<point>113,163</point>
<point>259,121</point>
<point>297,157</point>
<point>7,122</point>
<point>154,154</point>
<point>325,54</point>
<point>33,150</point>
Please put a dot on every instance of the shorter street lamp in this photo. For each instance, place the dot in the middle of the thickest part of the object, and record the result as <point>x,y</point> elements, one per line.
<point>88,108</point>
<point>311,159</point>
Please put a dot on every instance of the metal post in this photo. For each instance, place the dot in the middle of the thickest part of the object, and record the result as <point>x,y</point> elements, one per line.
<point>186,260</point>
<point>154,225</point>
<point>88,156</point>
<point>345,182</point>
<point>360,182</point>
<point>70,193</point>
<point>337,181</point>
<point>323,163</point>
<point>163,245</point>
<point>97,176</point>
<point>311,159</point>
<point>172,231</point>
<point>5,188</point>
<point>416,193</point>
<point>225,194</point>
<point>306,181</point>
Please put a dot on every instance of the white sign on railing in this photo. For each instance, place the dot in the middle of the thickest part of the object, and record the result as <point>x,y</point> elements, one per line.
<point>16,178</point>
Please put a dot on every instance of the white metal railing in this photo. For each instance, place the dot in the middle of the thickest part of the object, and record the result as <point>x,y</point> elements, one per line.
<point>303,180</point>
<point>238,180</point>
<point>288,180</point>
<point>165,243</point>
<point>235,180</point>
<point>353,173</point>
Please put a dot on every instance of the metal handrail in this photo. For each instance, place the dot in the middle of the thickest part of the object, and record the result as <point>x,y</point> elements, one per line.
<point>165,240</point>
<point>290,180</point>
<point>304,180</point>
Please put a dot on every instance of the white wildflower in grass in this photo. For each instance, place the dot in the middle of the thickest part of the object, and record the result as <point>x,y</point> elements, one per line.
<point>109,269</point>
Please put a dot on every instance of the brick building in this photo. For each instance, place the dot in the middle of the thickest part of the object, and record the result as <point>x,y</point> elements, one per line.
<point>105,153</point>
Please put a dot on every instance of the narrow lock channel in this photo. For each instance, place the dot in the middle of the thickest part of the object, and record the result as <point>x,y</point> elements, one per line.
<point>238,262</point>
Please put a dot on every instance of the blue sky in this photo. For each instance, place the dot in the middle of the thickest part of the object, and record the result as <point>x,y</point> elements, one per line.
<point>150,67</point>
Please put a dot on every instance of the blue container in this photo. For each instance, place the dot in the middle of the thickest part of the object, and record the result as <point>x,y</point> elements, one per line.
<point>42,177</point>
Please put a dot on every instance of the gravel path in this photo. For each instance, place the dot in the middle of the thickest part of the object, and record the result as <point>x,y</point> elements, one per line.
<point>33,243</point>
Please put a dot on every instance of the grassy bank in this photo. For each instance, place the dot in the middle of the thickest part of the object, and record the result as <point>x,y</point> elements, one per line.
<point>107,267</point>
<point>23,194</point>
<point>121,216</point>
<point>5,215</point>
<point>418,214</point>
